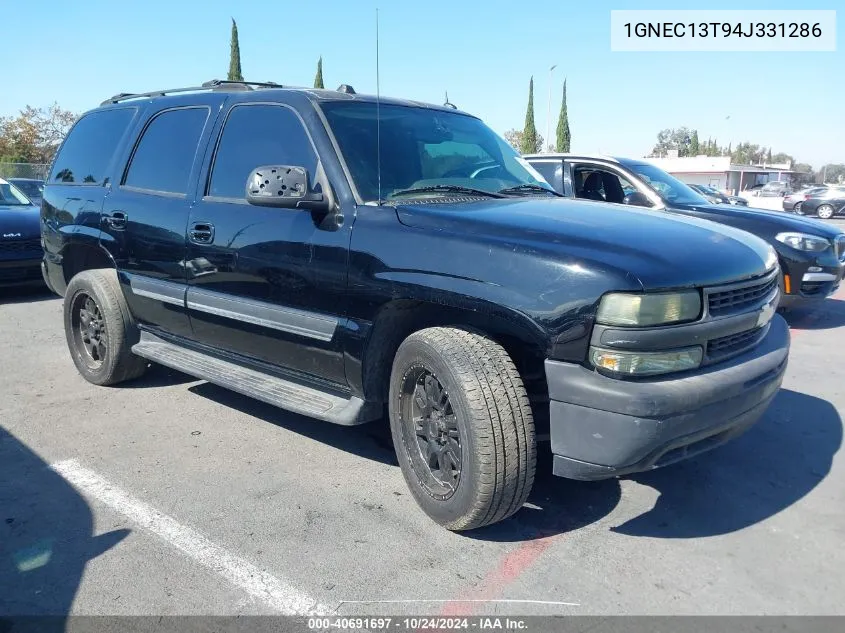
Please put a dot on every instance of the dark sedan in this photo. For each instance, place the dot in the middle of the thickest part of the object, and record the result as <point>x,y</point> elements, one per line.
<point>20,238</point>
<point>717,197</point>
<point>811,253</point>
<point>825,204</point>
<point>31,187</point>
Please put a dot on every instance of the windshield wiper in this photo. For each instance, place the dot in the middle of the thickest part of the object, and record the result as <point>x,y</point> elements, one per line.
<point>529,188</point>
<point>447,189</point>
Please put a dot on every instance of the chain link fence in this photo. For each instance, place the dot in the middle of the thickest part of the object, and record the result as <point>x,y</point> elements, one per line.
<point>24,170</point>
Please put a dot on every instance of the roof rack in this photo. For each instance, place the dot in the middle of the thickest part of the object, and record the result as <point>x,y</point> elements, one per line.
<point>214,84</point>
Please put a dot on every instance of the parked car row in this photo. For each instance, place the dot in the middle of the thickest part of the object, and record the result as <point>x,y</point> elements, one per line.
<point>823,202</point>
<point>717,197</point>
<point>341,256</point>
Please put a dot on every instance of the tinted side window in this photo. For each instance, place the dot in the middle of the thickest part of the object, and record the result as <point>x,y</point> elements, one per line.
<point>551,171</point>
<point>165,154</point>
<point>88,149</point>
<point>256,135</point>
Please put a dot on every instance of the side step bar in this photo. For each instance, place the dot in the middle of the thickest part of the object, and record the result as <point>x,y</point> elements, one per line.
<point>279,392</point>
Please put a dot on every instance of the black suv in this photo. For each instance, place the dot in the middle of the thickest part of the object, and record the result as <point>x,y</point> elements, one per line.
<point>339,256</point>
<point>811,253</point>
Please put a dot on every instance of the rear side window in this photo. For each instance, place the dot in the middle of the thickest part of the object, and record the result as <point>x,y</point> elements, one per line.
<point>90,146</point>
<point>551,171</point>
<point>256,135</point>
<point>165,154</point>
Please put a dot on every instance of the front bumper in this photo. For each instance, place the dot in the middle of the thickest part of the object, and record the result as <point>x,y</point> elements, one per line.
<point>604,427</point>
<point>810,280</point>
<point>20,272</point>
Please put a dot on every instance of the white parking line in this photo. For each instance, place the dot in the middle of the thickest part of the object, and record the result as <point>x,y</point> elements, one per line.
<point>259,584</point>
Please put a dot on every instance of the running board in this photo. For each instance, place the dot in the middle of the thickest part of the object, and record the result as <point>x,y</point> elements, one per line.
<point>279,392</point>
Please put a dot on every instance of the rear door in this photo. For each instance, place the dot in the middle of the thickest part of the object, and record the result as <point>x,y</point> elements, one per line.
<point>145,216</point>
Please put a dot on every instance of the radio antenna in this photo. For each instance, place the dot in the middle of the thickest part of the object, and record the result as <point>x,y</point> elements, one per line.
<point>378,118</point>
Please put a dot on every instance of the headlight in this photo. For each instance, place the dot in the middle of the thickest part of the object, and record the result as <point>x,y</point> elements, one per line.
<point>803,241</point>
<point>646,363</point>
<point>642,310</point>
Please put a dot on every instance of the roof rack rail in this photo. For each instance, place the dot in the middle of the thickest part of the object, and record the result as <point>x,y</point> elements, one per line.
<point>213,84</point>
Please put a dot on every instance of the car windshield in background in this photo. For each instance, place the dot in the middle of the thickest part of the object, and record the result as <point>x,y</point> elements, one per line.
<point>31,188</point>
<point>427,152</point>
<point>12,196</point>
<point>670,188</point>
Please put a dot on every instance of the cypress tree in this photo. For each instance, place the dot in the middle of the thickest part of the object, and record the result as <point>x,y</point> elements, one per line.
<point>318,78</point>
<point>564,139</point>
<point>694,148</point>
<point>769,157</point>
<point>235,56</point>
<point>529,133</point>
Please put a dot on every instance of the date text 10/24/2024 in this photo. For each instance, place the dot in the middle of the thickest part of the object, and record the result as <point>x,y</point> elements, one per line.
<point>417,623</point>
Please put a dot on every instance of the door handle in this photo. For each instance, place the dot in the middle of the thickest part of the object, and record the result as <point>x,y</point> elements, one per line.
<point>117,220</point>
<point>201,233</point>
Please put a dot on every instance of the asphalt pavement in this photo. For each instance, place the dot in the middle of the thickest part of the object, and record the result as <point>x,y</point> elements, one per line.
<point>172,496</point>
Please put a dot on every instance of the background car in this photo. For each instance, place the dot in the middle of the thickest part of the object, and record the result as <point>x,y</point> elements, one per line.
<point>20,238</point>
<point>794,200</point>
<point>32,188</point>
<point>717,197</point>
<point>811,254</point>
<point>825,204</point>
<point>775,188</point>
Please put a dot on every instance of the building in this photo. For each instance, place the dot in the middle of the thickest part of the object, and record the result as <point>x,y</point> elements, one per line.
<point>720,173</point>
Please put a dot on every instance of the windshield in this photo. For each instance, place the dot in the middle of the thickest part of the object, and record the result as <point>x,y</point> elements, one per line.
<point>29,187</point>
<point>421,148</point>
<point>670,188</point>
<point>12,196</point>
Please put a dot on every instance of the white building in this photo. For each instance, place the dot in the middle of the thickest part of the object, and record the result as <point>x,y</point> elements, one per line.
<point>720,173</point>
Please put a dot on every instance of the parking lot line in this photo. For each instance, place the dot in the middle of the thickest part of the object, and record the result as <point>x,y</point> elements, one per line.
<point>259,584</point>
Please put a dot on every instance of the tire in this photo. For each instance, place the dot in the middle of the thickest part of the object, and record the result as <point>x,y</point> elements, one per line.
<point>796,208</point>
<point>490,418</point>
<point>825,211</point>
<point>101,350</point>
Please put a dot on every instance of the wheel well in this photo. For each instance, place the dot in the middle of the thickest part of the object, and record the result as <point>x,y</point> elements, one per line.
<point>79,257</point>
<point>401,318</point>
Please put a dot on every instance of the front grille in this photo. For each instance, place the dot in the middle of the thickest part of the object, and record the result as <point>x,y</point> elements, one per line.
<point>735,343</point>
<point>735,300</point>
<point>839,247</point>
<point>20,246</point>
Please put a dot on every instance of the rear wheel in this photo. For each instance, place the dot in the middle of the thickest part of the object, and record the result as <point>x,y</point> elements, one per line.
<point>825,212</point>
<point>462,427</point>
<point>99,329</point>
<point>797,208</point>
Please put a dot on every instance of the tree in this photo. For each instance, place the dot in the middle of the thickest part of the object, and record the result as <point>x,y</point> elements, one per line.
<point>514,137</point>
<point>234,56</point>
<point>769,156</point>
<point>672,138</point>
<point>529,144</point>
<point>564,139</point>
<point>34,135</point>
<point>694,149</point>
<point>833,173</point>
<point>318,78</point>
<point>729,149</point>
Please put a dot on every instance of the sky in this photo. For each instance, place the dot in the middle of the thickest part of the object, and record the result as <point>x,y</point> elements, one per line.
<point>483,52</point>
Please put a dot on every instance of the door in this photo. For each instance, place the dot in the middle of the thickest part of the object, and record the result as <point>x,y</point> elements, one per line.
<point>146,215</point>
<point>266,283</point>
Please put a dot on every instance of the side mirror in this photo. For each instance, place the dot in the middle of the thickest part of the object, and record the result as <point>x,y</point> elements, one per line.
<point>637,199</point>
<point>284,186</point>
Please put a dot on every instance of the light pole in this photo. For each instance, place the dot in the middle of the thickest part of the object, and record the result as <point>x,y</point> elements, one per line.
<point>549,110</point>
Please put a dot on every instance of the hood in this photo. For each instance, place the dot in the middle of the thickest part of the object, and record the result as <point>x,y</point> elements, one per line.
<point>660,249</point>
<point>17,219</point>
<point>754,220</point>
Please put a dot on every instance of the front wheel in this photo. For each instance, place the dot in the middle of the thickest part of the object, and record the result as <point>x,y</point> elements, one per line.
<point>462,427</point>
<point>825,212</point>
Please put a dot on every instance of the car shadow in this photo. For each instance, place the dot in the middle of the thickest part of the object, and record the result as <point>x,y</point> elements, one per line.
<point>773,465</point>
<point>826,315</point>
<point>371,440</point>
<point>158,376</point>
<point>46,538</point>
<point>26,295</point>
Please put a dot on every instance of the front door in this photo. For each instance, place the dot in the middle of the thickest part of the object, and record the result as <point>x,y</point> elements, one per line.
<point>145,216</point>
<point>266,283</point>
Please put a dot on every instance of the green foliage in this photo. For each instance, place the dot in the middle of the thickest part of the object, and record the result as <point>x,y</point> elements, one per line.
<point>234,56</point>
<point>318,78</point>
<point>694,148</point>
<point>529,143</point>
<point>34,135</point>
<point>564,138</point>
<point>514,137</point>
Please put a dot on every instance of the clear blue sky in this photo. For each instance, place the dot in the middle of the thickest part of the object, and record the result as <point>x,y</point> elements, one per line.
<point>482,52</point>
